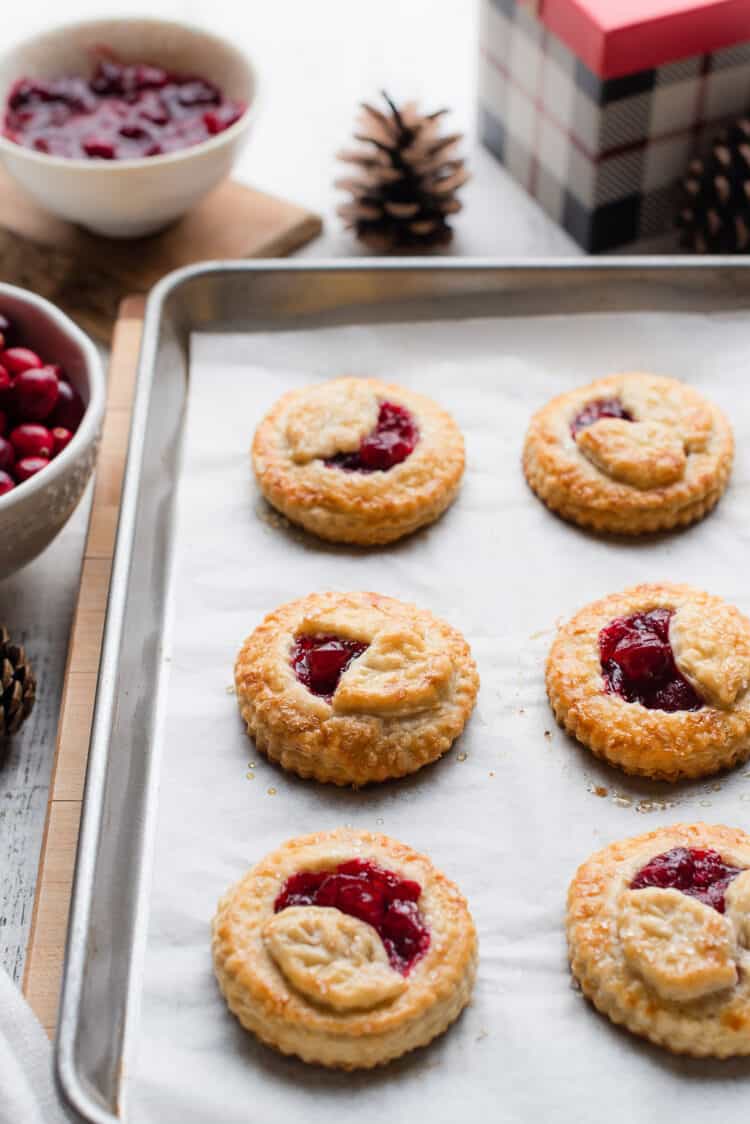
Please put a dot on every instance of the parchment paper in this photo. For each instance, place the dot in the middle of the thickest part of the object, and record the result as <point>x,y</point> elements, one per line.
<point>509,813</point>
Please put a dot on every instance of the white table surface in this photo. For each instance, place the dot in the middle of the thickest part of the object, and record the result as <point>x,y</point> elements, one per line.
<point>316,62</point>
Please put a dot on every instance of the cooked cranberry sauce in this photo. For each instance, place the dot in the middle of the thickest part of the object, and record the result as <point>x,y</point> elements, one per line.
<point>638,663</point>
<point>393,439</point>
<point>600,408</point>
<point>380,897</point>
<point>702,874</point>
<point>320,661</point>
<point>121,113</point>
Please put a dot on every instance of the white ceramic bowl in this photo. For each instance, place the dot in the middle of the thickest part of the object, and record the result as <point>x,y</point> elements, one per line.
<point>128,198</point>
<point>33,512</point>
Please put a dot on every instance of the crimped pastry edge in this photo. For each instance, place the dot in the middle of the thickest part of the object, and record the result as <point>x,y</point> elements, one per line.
<point>348,749</point>
<point>387,506</point>
<point>613,522</point>
<point>440,985</point>
<point>641,742</point>
<point>604,977</point>
<point>612,507</point>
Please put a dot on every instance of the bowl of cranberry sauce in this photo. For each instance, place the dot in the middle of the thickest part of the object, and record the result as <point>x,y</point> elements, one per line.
<point>52,395</point>
<point>124,125</point>
<point>124,111</point>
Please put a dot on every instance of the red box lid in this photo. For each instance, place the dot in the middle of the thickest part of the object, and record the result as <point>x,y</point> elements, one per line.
<point>617,37</point>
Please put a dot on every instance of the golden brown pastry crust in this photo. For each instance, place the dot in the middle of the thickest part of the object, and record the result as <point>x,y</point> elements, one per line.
<point>437,988</point>
<point>712,651</point>
<point>397,707</point>
<point>353,507</point>
<point>666,469</point>
<point>608,953</point>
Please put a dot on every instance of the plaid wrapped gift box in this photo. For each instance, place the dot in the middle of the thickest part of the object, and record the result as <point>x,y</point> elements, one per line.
<point>598,144</point>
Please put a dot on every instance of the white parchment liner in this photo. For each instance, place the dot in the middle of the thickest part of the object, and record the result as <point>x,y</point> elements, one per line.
<point>510,812</point>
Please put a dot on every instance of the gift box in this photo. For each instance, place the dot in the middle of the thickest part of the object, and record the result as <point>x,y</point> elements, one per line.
<point>597,106</point>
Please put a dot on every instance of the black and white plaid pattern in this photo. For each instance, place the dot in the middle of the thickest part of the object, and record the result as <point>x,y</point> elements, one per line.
<point>601,156</point>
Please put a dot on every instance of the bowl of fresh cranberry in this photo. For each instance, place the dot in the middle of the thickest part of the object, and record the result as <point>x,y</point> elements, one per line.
<point>124,125</point>
<point>52,395</point>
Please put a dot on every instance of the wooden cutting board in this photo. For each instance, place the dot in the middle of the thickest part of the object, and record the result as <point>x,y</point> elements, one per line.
<point>88,276</point>
<point>50,919</point>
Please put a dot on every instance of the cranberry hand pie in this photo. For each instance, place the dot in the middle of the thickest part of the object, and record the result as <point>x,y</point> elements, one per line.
<point>655,680</point>
<point>345,948</point>
<point>659,937</point>
<point>358,460</point>
<point>354,687</point>
<point>629,453</point>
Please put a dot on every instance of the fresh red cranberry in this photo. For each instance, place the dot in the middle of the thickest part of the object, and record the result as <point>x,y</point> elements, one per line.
<point>638,663</point>
<point>122,112</point>
<point>6,382</point>
<point>320,661</point>
<point>3,423</point>
<point>7,455</point>
<point>29,466</point>
<point>61,438</point>
<point>19,359</point>
<point>69,410</point>
<point>599,408</point>
<point>380,897</point>
<point>699,872</point>
<point>35,393</point>
<point>7,483</point>
<point>393,439</point>
<point>32,440</point>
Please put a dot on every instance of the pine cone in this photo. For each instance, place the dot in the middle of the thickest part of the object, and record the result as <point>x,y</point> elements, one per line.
<point>407,180</point>
<point>17,686</point>
<point>715,214</point>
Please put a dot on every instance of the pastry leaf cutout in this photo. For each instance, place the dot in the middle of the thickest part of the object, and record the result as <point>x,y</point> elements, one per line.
<point>672,404</point>
<point>334,960</point>
<point>643,454</point>
<point>402,672</point>
<point>331,418</point>
<point>712,650</point>
<point>738,906</point>
<point>680,947</point>
<point>406,668</point>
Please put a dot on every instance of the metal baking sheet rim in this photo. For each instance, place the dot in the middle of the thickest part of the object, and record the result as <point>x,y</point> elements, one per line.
<point>80,1096</point>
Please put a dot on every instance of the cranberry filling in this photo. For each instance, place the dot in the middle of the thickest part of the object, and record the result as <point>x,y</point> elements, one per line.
<point>600,408</point>
<point>320,661</point>
<point>122,112</point>
<point>380,897</point>
<point>393,439</point>
<point>638,663</point>
<point>702,874</point>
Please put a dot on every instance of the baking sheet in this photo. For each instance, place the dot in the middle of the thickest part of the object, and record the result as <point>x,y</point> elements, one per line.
<point>509,812</point>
